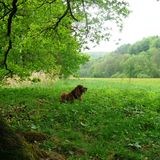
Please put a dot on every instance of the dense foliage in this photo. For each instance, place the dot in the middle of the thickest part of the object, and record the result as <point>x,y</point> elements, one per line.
<point>139,60</point>
<point>48,35</point>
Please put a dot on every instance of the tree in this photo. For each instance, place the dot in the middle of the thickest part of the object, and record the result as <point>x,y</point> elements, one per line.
<point>49,34</point>
<point>143,62</point>
<point>140,46</point>
<point>123,49</point>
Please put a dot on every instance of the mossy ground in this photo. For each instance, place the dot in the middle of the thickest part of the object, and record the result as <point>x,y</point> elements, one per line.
<point>117,119</point>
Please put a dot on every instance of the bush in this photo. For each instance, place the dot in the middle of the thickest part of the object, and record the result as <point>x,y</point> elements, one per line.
<point>119,75</point>
<point>36,80</point>
<point>143,75</point>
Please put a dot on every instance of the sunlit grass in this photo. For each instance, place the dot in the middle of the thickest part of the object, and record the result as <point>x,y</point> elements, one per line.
<point>117,119</point>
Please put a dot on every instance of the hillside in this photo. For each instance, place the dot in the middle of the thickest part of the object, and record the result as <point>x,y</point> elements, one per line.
<point>138,60</point>
<point>96,55</point>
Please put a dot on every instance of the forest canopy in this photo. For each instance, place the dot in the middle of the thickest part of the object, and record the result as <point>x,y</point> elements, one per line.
<point>48,35</point>
<point>138,60</point>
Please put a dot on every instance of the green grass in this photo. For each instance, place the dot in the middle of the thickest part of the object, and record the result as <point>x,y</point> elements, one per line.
<point>117,119</point>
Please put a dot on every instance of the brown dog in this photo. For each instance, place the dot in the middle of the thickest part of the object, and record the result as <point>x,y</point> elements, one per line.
<point>74,94</point>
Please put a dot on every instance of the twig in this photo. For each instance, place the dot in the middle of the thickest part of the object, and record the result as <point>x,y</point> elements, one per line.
<point>5,14</point>
<point>86,17</point>
<point>70,10</point>
<point>45,3</point>
<point>60,18</point>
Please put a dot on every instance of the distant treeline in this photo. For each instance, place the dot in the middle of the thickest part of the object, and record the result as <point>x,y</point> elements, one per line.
<point>139,60</point>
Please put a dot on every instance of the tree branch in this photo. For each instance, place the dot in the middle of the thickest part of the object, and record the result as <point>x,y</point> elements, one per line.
<point>4,5</point>
<point>9,27</point>
<point>60,18</point>
<point>5,58</point>
<point>45,3</point>
<point>70,10</point>
<point>5,14</point>
<point>5,8</point>
<point>86,17</point>
<point>13,12</point>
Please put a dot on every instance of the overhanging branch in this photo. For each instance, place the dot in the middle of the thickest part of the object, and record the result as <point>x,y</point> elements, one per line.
<point>4,5</point>
<point>60,18</point>
<point>46,2</point>
<point>86,17</point>
<point>5,58</point>
<point>5,10</point>
<point>9,28</point>
<point>70,10</point>
<point>5,14</point>
<point>13,12</point>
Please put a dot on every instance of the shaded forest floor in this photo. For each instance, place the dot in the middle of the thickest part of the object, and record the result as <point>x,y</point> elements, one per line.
<point>118,119</point>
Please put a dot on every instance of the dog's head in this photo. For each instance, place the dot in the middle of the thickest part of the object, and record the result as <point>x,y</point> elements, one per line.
<point>81,88</point>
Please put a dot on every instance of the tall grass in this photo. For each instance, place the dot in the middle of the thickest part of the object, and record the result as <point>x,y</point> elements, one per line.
<point>117,119</point>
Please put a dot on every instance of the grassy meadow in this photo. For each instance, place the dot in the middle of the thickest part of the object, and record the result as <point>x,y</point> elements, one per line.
<point>118,119</point>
